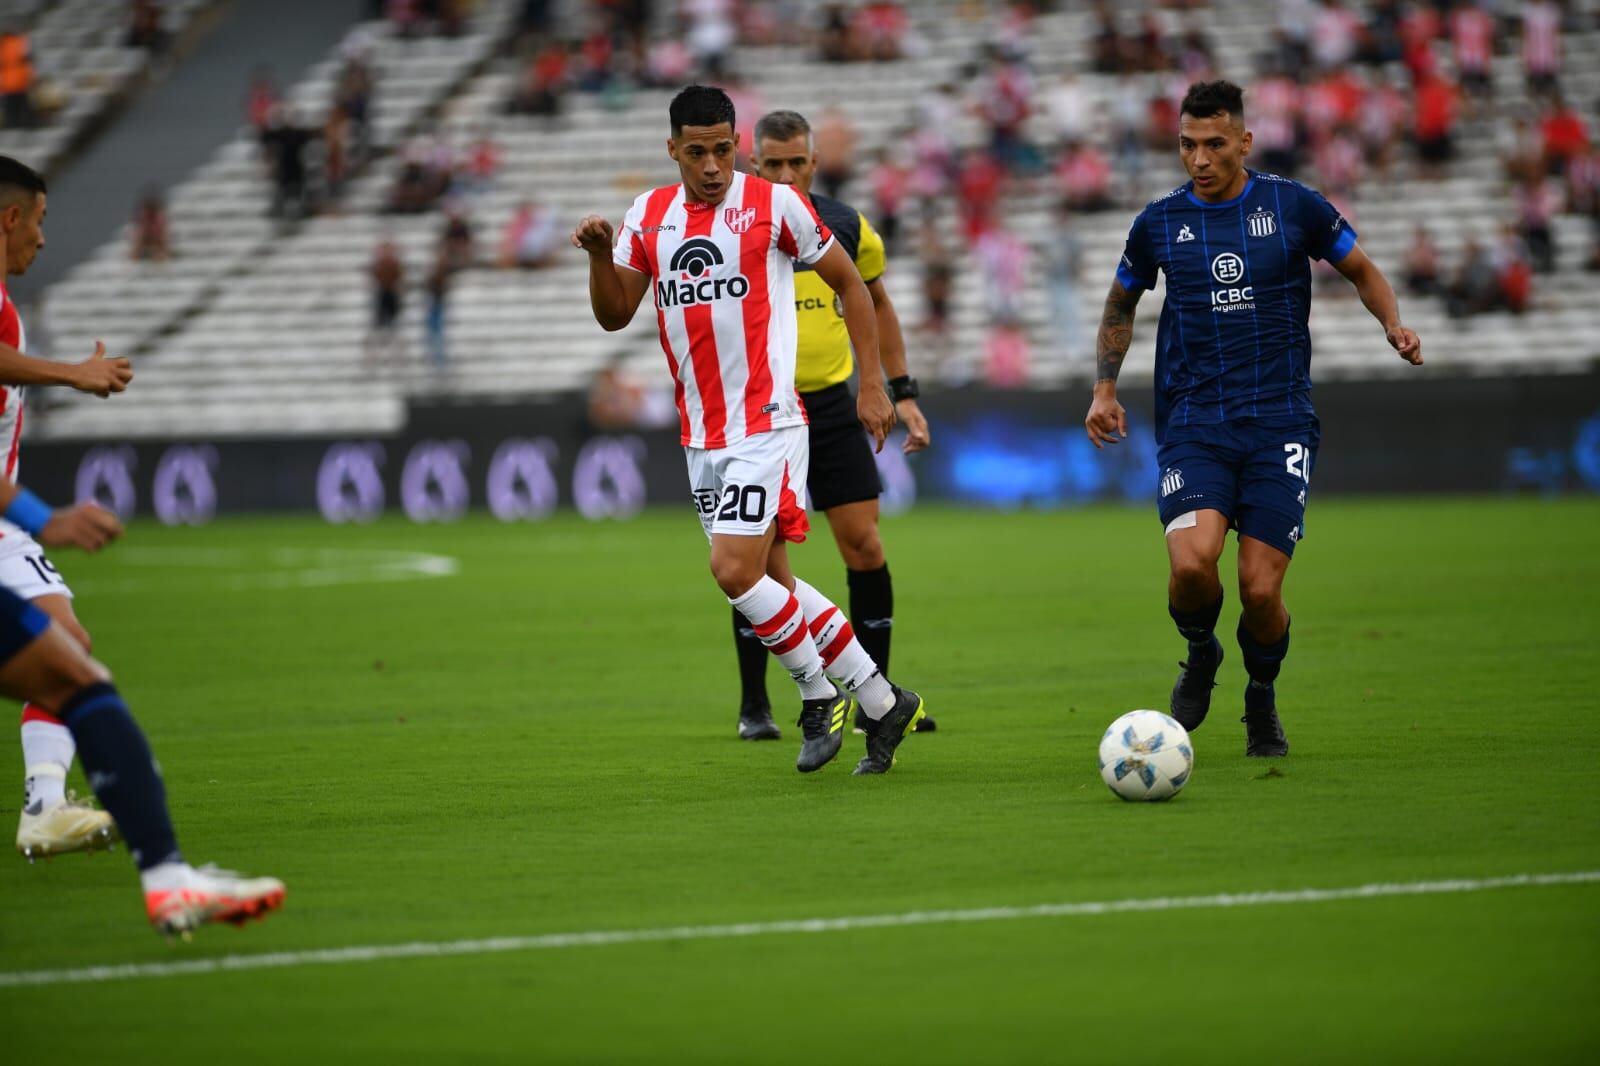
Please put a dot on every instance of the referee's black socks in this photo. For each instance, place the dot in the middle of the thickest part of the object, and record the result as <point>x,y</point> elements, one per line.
<point>753,656</point>
<point>872,611</point>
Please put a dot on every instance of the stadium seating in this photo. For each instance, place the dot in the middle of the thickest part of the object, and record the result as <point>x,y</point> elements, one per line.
<point>217,329</point>
<point>80,51</point>
<point>251,333</point>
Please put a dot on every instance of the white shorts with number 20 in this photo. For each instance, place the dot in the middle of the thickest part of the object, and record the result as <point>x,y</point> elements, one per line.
<point>743,489</point>
<point>25,570</point>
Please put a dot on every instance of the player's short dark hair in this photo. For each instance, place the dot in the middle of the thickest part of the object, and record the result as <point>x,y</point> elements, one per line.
<point>18,176</point>
<point>700,105</point>
<point>782,126</point>
<point>1207,98</point>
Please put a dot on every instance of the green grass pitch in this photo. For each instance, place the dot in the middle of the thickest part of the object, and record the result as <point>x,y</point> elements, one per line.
<point>543,742</point>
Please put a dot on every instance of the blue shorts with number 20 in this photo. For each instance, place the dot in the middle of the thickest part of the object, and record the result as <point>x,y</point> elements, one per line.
<point>1255,471</point>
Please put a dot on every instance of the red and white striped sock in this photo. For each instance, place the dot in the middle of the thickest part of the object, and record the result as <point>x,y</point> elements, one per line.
<point>780,623</point>
<point>842,654</point>
<point>47,753</point>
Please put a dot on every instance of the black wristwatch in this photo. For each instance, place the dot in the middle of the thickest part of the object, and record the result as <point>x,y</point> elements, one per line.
<point>903,388</point>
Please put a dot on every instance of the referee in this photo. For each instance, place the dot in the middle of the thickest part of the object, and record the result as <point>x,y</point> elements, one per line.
<point>843,482</point>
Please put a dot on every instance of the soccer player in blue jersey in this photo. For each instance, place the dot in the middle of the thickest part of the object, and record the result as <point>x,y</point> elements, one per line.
<point>1234,422</point>
<point>44,663</point>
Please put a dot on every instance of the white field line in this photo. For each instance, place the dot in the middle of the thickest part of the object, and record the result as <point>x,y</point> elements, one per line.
<point>285,567</point>
<point>601,938</point>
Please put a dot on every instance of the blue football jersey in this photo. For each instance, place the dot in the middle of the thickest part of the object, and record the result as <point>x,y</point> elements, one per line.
<point>1233,340</point>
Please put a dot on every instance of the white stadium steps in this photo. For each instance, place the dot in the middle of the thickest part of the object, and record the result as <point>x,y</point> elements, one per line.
<point>231,330</point>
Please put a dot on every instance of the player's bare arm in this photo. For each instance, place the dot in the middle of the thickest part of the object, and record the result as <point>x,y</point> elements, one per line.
<point>892,352</point>
<point>1107,421</point>
<point>860,320</point>
<point>83,525</point>
<point>96,374</point>
<point>614,294</point>
<point>1378,296</point>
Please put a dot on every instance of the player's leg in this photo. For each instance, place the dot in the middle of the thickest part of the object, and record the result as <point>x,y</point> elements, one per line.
<point>1194,601</point>
<point>53,822</point>
<point>1263,636</point>
<point>40,663</point>
<point>866,571</point>
<point>888,712</point>
<point>885,713</point>
<point>755,708</point>
<point>844,484</point>
<point>1271,522</point>
<point>1196,502</point>
<point>746,504</point>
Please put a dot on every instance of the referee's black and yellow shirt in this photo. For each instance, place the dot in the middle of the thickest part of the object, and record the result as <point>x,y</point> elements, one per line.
<point>822,354</point>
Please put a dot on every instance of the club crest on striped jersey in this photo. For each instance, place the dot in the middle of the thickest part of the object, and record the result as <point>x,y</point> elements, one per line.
<point>695,265</point>
<point>1261,223</point>
<point>739,219</point>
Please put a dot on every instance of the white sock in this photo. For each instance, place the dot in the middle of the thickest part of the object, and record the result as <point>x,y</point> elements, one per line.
<point>780,623</point>
<point>47,753</point>
<point>876,696</point>
<point>45,786</point>
<point>166,877</point>
<point>842,654</point>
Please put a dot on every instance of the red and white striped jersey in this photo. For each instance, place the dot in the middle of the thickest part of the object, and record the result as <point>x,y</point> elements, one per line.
<point>723,276</point>
<point>12,332</point>
<point>1541,38</point>
<point>1472,34</point>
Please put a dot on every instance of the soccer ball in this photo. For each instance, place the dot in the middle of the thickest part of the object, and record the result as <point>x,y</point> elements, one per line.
<point>1146,755</point>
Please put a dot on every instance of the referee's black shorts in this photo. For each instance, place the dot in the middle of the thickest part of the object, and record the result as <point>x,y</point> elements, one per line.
<point>842,467</point>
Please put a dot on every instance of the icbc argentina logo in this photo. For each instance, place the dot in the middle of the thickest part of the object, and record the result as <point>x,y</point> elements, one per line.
<point>693,266</point>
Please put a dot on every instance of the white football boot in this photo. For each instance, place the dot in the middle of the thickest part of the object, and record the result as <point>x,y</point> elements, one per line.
<point>64,827</point>
<point>209,894</point>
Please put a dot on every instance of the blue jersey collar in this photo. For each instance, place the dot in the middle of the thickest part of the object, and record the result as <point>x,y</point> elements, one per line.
<point>1249,184</point>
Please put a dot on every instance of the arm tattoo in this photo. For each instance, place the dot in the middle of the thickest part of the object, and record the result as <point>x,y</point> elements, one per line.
<point>1116,332</point>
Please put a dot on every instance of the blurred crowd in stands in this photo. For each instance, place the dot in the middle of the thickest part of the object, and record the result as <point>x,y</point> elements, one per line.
<point>310,161</point>
<point>1348,94</point>
<point>28,99</point>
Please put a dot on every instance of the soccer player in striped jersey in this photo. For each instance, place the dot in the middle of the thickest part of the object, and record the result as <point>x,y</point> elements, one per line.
<point>1234,423</point>
<point>718,250</point>
<point>843,482</point>
<point>52,822</point>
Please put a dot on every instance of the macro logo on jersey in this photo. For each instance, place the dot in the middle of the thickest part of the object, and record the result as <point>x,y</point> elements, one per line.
<point>1228,268</point>
<point>1261,223</point>
<point>694,262</point>
<point>1171,481</point>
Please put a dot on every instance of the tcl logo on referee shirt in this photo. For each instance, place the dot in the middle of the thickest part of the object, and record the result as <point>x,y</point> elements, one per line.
<point>694,263</point>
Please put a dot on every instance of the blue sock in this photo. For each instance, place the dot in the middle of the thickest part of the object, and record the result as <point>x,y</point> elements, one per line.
<point>122,772</point>
<point>1262,661</point>
<point>1198,628</point>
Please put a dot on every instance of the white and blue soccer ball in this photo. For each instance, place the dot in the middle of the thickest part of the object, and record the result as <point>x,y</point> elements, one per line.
<point>1146,755</point>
